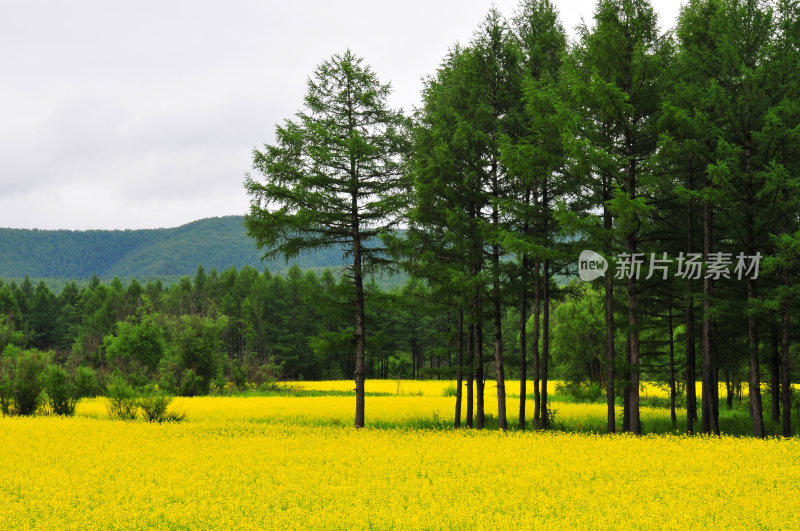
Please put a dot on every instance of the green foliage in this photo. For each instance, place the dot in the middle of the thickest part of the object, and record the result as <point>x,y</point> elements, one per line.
<point>449,391</point>
<point>582,391</point>
<point>144,254</point>
<point>22,380</point>
<point>578,337</point>
<point>86,384</point>
<point>154,407</point>
<point>191,384</point>
<point>334,175</point>
<point>141,340</point>
<point>196,347</point>
<point>122,402</point>
<point>9,335</point>
<point>62,391</point>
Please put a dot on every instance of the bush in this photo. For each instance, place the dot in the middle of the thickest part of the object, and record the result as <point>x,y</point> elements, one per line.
<point>450,390</point>
<point>86,384</point>
<point>154,407</point>
<point>122,403</point>
<point>62,394</point>
<point>27,383</point>
<point>6,392</point>
<point>191,384</point>
<point>582,391</point>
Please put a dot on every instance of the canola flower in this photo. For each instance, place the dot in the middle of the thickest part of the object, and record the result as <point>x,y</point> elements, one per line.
<point>223,469</point>
<point>382,411</point>
<point>438,387</point>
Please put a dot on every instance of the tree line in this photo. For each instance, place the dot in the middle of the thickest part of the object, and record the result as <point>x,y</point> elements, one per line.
<point>220,332</point>
<point>672,152</point>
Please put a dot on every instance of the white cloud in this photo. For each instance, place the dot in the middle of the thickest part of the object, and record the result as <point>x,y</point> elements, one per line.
<point>144,114</point>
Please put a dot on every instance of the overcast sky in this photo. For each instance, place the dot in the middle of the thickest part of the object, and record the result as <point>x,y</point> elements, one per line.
<point>123,114</point>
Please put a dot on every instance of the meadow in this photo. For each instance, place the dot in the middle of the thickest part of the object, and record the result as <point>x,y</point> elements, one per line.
<point>290,462</point>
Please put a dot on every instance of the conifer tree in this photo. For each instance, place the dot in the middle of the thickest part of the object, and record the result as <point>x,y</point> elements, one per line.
<point>333,179</point>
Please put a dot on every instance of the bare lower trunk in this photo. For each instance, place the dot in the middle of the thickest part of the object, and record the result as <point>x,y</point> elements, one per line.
<point>459,363</point>
<point>633,321</point>
<point>754,379</point>
<point>523,341</point>
<point>691,375</point>
<point>479,410</point>
<point>626,390</point>
<point>537,304</point>
<point>610,351</point>
<point>545,417</point>
<point>786,385</point>
<point>672,413</point>
<point>729,389</point>
<point>470,375</point>
<point>709,415</point>
<point>498,342</point>
<point>359,288</point>
<point>775,376</point>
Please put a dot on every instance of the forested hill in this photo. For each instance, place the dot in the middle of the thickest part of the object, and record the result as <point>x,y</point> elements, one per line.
<point>216,243</point>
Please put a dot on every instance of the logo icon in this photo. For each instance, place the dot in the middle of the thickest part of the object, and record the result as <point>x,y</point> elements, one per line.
<point>591,266</point>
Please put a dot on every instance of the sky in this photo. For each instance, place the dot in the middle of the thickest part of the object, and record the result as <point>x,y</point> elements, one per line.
<point>144,114</point>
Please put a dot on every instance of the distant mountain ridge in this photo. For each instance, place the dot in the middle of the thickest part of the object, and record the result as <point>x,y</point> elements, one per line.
<point>216,243</point>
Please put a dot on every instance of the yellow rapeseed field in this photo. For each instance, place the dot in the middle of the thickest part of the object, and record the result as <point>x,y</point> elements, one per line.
<point>288,462</point>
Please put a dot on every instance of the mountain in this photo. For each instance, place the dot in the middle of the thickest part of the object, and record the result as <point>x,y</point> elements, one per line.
<point>217,243</point>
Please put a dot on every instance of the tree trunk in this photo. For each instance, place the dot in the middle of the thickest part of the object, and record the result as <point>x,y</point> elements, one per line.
<point>537,304</point>
<point>691,363</point>
<point>754,381</point>
<point>545,417</point>
<point>786,385</point>
<point>775,380</point>
<point>708,420</point>
<point>498,341</point>
<point>359,287</point>
<point>755,374</point>
<point>729,388</point>
<point>479,413</point>
<point>633,320</point>
<point>459,362</point>
<point>672,414</point>
<point>523,340</point>
<point>626,390</point>
<point>471,371</point>
<point>610,351</point>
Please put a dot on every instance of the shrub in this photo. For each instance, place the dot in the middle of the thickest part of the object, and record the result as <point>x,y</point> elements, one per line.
<point>122,403</point>
<point>191,384</point>
<point>27,383</point>
<point>86,384</point>
<point>61,391</point>
<point>6,392</point>
<point>154,407</point>
<point>450,390</point>
<point>174,416</point>
<point>582,391</point>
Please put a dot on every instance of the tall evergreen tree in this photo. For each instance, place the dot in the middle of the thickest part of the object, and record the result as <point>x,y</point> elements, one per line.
<point>531,158</point>
<point>333,179</point>
<point>618,79</point>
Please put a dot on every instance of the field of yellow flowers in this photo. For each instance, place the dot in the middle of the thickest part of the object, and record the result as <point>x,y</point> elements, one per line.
<point>285,462</point>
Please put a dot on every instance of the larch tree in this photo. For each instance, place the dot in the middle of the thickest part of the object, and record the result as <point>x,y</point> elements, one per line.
<point>531,158</point>
<point>443,222</point>
<point>334,178</point>
<point>619,75</point>
<point>497,116</point>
